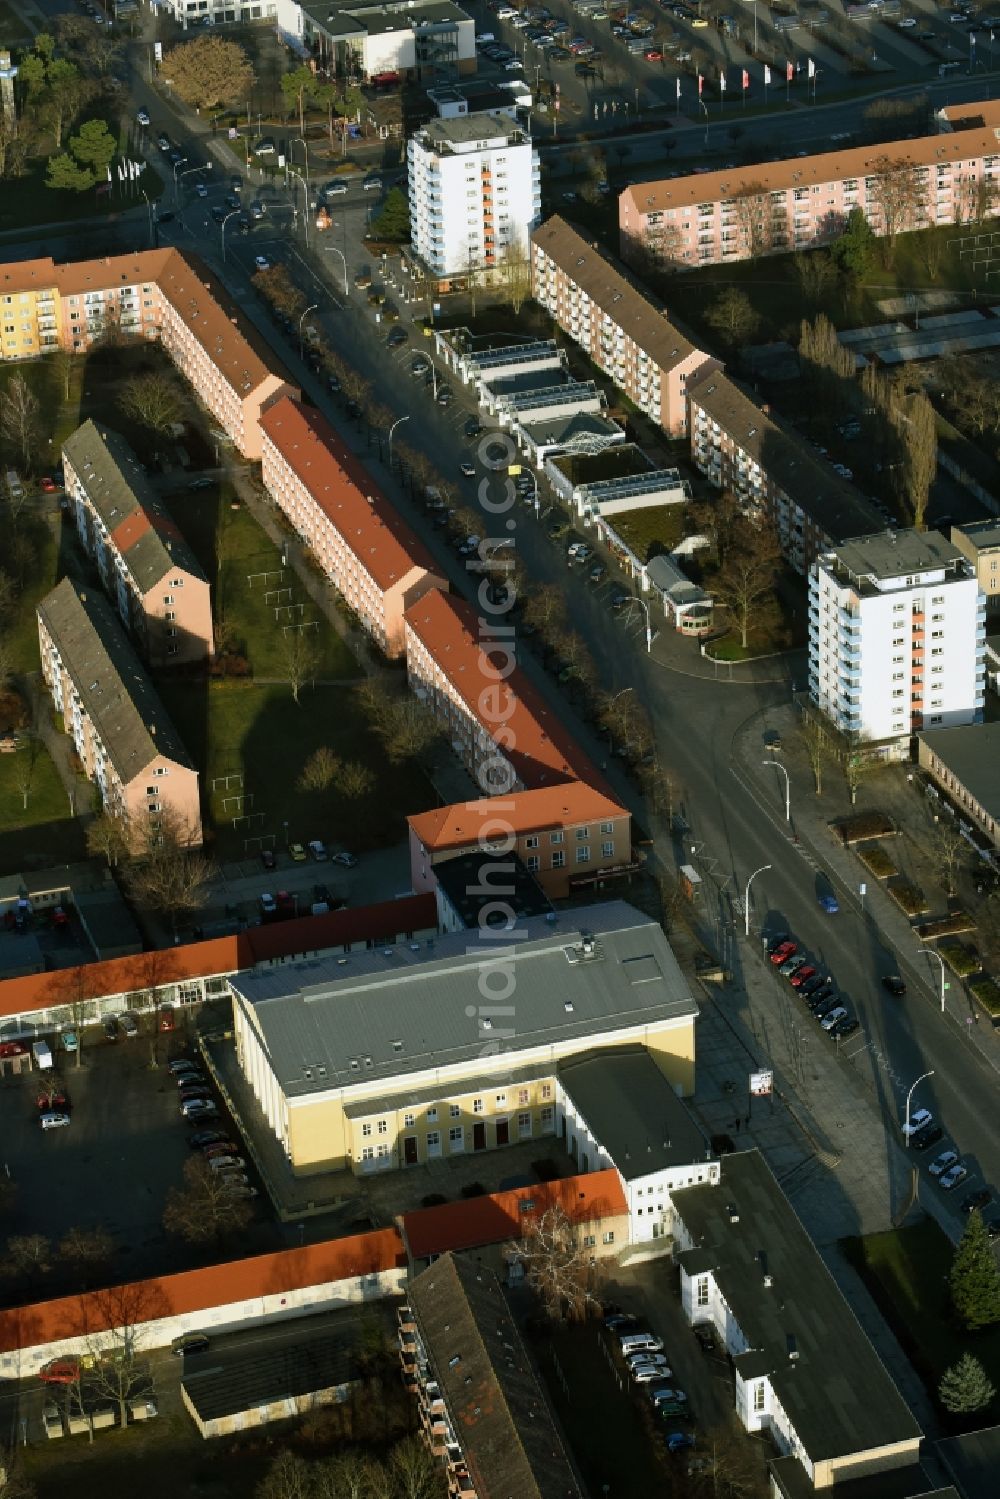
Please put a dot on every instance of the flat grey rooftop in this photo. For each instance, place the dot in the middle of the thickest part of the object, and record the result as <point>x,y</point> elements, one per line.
<point>972,754</point>
<point>984,533</point>
<point>826,1374</point>
<point>306,1356</point>
<point>896,554</point>
<point>374,1016</point>
<point>633,1111</point>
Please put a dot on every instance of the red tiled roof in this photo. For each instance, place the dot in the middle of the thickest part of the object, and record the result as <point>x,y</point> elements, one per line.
<point>219,955</point>
<point>507,1215</point>
<point>541,749</point>
<point>287,1270</point>
<point>572,804</point>
<point>344,490</point>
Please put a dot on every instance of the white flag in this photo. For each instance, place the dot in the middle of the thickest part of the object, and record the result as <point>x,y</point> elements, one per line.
<point>812,68</point>
<point>121,171</point>
<point>767,75</point>
<point>139,167</point>
<point>109,171</point>
<point>722,83</point>
<point>678,88</point>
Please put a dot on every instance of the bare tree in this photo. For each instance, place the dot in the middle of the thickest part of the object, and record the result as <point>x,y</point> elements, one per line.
<point>856,767</point>
<point>413,1471</point>
<point>166,874</point>
<point>898,201</point>
<point>354,779</point>
<point>817,747</point>
<point>299,658</point>
<point>120,1315</point>
<point>204,1209</point>
<point>289,1477</point>
<point>20,420</point>
<point>319,770</point>
<point>754,219</point>
<point>950,850</point>
<point>718,516</point>
<point>748,575</point>
<point>26,760</point>
<point>154,400</point>
<point>558,1267</point>
<point>28,1255</point>
<point>513,275</point>
<point>733,317</point>
<point>70,989</point>
<point>404,725</point>
<point>107,837</point>
<point>85,1249</point>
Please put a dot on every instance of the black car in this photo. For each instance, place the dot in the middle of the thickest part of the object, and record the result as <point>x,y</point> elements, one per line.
<point>894,984</point>
<point>814,985</point>
<point>844,1028</point>
<point>111,1028</point>
<point>822,1006</point>
<point>267,858</point>
<point>619,601</point>
<point>164,218</point>
<point>473,427</point>
<point>976,1200</point>
<point>217,212</point>
<point>203,1138</point>
<point>321,893</point>
<point>926,1137</point>
<point>777,939</point>
<point>232,202</point>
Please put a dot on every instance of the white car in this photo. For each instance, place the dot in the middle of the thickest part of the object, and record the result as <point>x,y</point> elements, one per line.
<point>267,903</point>
<point>52,1119</point>
<point>201,190</point>
<point>658,1360</point>
<point>832,1016</point>
<point>142,118</point>
<point>946,1159</point>
<point>318,850</point>
<point>952,1177</point>
<point>262,263</point>
<point>919,1120</point>
<point>645,1373</point>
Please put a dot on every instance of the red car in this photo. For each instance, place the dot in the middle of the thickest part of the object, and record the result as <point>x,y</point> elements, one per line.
<point>166,1017</point>
<point>801,975</point>
<point>49,485</point>
<point>13,1049</point>
<point>286,903</point>
<point>783,952</point>
<point>654,55</point>
<point>60,1371</point>
<point>52,1101</point>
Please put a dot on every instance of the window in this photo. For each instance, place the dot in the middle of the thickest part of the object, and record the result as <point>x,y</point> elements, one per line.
<point>501,1101</point>
<point>456,1137</point>
<point>409,1120</point>
<point>546,1119</point>
<point>366,1130</point>
<point>382,1151</point>
<point>701,1290</point>
<point>555,838</point>
<point>589,1241</point>
<point>607,827</point>
<point>546,1090</point>
<point>758,1395</point>
<point>531,841</point>
<point>607,850</point>
<point>583,855</point>
<point>455,1111</point>
<point>432,1115</point>
<point>533,863</point>
<point>524,1126</point>
<point>608,1237</point>
<point>523,1096</point>
<point>383,1127</point>
<point>559,859</point>
<point>582,834</point>
<point>477,1105</point>
<point>368,1154</point>
<point>168,598</point>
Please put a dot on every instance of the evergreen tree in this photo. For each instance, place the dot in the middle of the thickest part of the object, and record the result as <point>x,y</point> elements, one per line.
<point>393,223</point>
<point>965,1387</point>
<point>975,1280</point>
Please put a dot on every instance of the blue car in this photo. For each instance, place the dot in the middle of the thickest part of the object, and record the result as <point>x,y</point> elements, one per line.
<point>830,904</point>
<point>679,1441</point>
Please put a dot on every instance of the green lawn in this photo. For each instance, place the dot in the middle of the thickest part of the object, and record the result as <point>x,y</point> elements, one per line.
<point>30,202</point>
<point>236,553</point>
<point>258,732</point>
<point>906,1271</point>
<point>43,832</point>
<point>41,573</point>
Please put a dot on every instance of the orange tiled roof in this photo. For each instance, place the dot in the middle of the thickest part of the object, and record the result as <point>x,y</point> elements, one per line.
<point>572,804</point>
<point>200,1290</point>
<point>507,1215</point>
<point>809,171</point>
<point>541,749</point>
<point>380,539</point>
<point>219,955</point>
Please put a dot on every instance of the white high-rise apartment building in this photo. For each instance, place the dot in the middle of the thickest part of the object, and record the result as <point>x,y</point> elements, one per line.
<point>897,636</point>
<point>475,189</point>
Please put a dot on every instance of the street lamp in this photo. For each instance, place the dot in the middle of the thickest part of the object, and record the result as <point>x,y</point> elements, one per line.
<point>305,205</point>
<point>333,250</point>
<point>906,1127</point>
<point>746,898</point>
<point>611,735</point>
<point>302,319</point>
<point>397,423</point>
<point>777,765</point>
<point>930,951</point>
<point>297,140</point>
<point>231,215</point>
<point>152,221</point>
<point>649,627</point>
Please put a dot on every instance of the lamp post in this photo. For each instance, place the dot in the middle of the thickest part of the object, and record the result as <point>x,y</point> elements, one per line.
<point>906,1127</point>
<point>152,221</point>
<point>397,423</point>
<point>302,319</point>
<point>231,215</point>
<point>931,953</point>
<point>788,786</point>
<point>611,737</point>
<point>297,140</point>
<point>305,205</point>
<point>343,259</point>
<point>649,626</point>
<point>746,898</point>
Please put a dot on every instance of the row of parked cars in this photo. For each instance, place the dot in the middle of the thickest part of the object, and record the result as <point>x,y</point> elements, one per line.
<point>814,988</point>
<point>947,1168</point>
<point>198,1106</point>
<point>649,1370</point>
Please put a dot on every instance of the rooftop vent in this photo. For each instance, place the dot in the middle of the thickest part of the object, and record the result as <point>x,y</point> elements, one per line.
<point>792,1347</point>
<point>569,1006</point>
<point>732,1212</point>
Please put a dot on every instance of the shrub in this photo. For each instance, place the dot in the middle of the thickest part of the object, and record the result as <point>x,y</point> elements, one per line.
<point>947,926</point>
<point>433,1200</point>
<point>909,898</point>
<point>473,1189</point>
<point>877,862</point>
<point>546,1171</point>
<point>960,959</point>
<point>864,826</point>
<point>986,991</point>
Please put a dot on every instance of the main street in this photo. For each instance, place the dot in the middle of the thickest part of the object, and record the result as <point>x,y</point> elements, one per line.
<point>735,825</point>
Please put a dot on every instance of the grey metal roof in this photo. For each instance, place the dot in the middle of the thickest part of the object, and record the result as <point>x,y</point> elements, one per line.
<point>374,1016</point>
<point>838,1396</point>
<point>898,554</point>
<point>834,505</point>
<point>666,575</point>
<point>110,681</point>
<point>491,886</point>
<point>972,754</point>
<point>498,1411</point>
<point>984,534</point>
<point>143,532</point>
<point>308,1355</point>
<point>463,130</point>
<point>633,1111</point>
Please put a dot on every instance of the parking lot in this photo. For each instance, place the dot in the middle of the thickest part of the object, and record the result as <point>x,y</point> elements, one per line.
<point>115,1163</point>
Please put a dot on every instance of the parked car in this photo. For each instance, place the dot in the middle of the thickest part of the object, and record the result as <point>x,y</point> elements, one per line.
<point>265,147</point>
<point>976,1200</point>
<point>927,1137</point>
<point>129,1025</point>
<point>318,850</point>
<point>297,853</point>
<point>917,1121</point>
<point>845,1027</point>
<point>266,902</point>
<point>110,1028</point>
<point>262,263</point>
<point>60,1371</point>
<point>202,1138</point>
<point>952,1178</point>
<point>53,1119</point>
<point>791,965</point>
<point>199,1108</point>
<point>829,904</point>
<point>822,1007</point>
<point>829,1020</point>
<point>679,1441</point>
<point>814,985</point>
<point>182,1064</point>
<point>13,1049</point>
<point>193,1079</point>
<point>142,117</point>
<point>801,975</point>
<point>348,861</point>
<point>783,952</point>
<point>166,1018</point>
<point>645,1373</point>
<point>190,1342</point>
<point>941,1163</point>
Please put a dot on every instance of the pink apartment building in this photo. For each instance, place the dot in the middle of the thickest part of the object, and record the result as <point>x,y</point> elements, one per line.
<point>149,572</point>
<point>127,744</point>
<point>541,795</point>
<point>155,294</point>
<point>739,213</point>
<point>626,334</point>
<point>366,550</point>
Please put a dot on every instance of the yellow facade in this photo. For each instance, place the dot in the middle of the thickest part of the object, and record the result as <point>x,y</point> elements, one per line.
<point>30,323</point>
<point>329,1133</point>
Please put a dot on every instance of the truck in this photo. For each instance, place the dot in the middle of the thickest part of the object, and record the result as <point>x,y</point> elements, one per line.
<point>42,1055</point>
